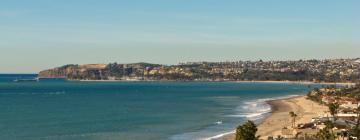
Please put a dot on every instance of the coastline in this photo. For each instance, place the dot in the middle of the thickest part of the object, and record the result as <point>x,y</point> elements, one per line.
<point>280,82</point>
<point>279,117</point>
<point>301,82</point>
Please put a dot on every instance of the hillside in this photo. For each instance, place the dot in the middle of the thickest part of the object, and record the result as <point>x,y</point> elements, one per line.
<point>332,70</point>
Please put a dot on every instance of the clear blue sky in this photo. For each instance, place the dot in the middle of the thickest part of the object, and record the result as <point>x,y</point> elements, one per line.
<point>41,34</point>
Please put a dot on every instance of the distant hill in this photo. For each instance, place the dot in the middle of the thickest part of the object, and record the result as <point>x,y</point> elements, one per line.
<point>330,70</point>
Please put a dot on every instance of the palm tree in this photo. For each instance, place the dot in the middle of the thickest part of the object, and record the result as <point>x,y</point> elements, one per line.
<point>333,108</point>
<point>293,116</point>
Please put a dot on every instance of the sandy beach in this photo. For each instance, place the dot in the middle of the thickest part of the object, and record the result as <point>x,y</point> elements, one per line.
<point>301,82</point>
<point>271,126</point>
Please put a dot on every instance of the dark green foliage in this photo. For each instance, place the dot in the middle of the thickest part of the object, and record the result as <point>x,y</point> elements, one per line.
<point>355,131</point>
<point>315,95</point>
<point>327,133</point>
<point>348,91</point>
<point>333,108</point>
<point>293,116</point>
<point>246,131</point>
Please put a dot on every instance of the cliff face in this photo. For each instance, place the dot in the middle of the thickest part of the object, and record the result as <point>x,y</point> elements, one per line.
<point>72,71</point>
<point>58,72</point>
<point>96,71</point>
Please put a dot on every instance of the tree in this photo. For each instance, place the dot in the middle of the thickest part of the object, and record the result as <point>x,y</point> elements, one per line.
<point>293,116</point>
<point>326,133</point>
<point>246,131</point>
<point>333,108</point>
<point>356,130</point>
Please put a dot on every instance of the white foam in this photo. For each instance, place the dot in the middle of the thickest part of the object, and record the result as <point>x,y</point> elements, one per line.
<point>252,110</point>
<point>219,136</point>
<point>250,115</point>
<point>256,108</point>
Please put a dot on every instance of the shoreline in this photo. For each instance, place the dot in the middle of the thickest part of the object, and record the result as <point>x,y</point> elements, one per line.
<point>279,82</point>
<point>300,82</point>
<point>279,115</point>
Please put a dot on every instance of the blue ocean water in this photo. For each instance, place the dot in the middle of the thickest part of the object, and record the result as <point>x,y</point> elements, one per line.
<point>74,110</point>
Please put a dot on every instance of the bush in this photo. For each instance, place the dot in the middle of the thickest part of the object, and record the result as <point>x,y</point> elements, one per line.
<point>246,131</point>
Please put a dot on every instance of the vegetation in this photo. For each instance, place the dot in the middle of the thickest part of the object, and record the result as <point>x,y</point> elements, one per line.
<point>326,133</point>
<point>246,131</point>
<point>355,131</point>
<point>336,93</point>
<point>337,70</point>
<point>315,95</point>
<point>293,116</point>
<point>346,91</point>
<point>333,108</point>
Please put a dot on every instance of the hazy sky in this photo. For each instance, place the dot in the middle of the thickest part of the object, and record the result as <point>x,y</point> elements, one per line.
<point>41,34</point>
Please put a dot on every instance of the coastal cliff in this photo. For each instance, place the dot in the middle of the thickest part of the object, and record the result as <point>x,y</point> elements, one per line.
<point>335,70</point>
<point>111,71</point>
<point>74,71</point>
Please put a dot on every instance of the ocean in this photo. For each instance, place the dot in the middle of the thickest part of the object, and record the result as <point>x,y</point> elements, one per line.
<point>74,110</point>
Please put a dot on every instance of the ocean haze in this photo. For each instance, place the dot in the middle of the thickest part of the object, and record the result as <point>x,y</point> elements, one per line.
<point>42,34</point>
<point>50,57</point>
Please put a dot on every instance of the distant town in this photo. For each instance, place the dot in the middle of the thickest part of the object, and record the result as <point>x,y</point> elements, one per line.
<point>329,70</point>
